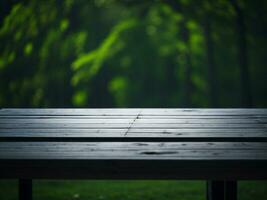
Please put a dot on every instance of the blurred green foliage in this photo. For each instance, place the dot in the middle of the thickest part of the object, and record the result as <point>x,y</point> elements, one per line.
<point>133,53</point>
<point>127,53</point>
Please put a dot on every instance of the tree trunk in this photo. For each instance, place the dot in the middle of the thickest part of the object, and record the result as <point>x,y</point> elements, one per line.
<point>188,86</point>
<point>185,35</point>
<point>242,55</point>
<point>212,72</point>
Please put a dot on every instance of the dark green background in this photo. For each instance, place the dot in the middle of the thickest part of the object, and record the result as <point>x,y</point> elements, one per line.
<point>132,53</point>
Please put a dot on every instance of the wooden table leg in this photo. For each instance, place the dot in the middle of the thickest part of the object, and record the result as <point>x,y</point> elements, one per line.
<point>231,190</point>
<point>25,189</point>
<point>215,190</point>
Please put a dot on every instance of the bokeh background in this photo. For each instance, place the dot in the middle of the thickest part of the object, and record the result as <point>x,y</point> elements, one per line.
<point>132,53</point>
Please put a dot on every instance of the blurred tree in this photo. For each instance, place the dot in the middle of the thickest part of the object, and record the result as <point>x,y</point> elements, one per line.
<point>127,53</point>
<point>242,54</point>
<point>211,65</point>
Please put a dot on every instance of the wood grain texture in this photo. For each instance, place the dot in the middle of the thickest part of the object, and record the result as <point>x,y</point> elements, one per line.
<point>133,125</point>
<point>133,143</point>
<point>137,121</point>
<point>124,135</point>
<point>116,160</point>
<point>133,111</point>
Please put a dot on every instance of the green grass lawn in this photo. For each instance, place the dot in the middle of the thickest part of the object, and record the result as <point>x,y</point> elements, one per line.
<point>127,190</point>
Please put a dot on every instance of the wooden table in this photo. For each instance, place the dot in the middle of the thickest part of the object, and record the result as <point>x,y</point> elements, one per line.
<point>219,145</point>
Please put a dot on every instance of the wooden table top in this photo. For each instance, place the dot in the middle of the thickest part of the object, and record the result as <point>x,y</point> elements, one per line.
<point>133,143</point>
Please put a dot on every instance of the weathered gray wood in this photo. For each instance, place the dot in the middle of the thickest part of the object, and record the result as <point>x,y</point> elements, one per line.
<point>134,132</point>
<point>131,146</point>
<point>133,111</point>
<point>86,112</point>
<point>204,111</point>
<point>215,144</point>
<point>171,160</point>
<point>193,116</point>
<point>129,151</point>
<point>145,135</point>
<point>166,131</point>
<point>130,125</point>
<point>141,121</point>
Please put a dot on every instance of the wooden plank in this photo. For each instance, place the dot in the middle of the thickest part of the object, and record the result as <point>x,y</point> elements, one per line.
<point>204,111</point>
<point>201,121</point>
<point>133,112</point>
<point>77,121</point>
<point>141,121</point>
<point>174,152</point>
<point>70,112</point>
<point>129,150</point>
<point>134,125</point>
<point>133,160</point>
<point>194,130</point>
<point>264,117</point>
<point>161,131</point>
<point>133,135</point>
<point>12,117</point>
<point>130,146</point>
<point>26,154</point>
<point>166,131</point>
